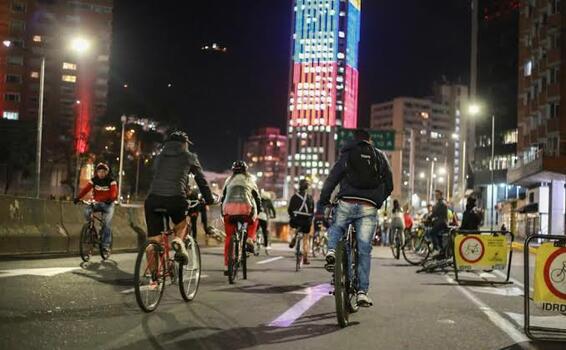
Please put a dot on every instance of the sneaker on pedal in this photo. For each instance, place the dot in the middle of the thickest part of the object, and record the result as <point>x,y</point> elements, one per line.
<point>330,260</point>
<point>363,300</point>
<point>181,253</point>
<point>250,246</point>
<point>292,243</point>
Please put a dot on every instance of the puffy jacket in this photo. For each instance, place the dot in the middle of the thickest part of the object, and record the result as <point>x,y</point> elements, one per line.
<point>241,188</point>
<point>171,169</point>
<point>337,176</point>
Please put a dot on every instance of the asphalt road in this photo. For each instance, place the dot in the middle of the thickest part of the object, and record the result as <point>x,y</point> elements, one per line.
<point>59,304</point>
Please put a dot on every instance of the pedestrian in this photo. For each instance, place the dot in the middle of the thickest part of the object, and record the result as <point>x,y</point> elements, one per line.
<point>472,217</point>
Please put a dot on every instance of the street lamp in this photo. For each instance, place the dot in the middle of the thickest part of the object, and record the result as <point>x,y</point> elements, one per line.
<point>80,45</point>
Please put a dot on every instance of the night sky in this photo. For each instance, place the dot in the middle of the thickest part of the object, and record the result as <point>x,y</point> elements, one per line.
<point>219,98</point>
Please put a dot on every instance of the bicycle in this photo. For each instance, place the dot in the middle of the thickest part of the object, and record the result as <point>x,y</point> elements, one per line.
<point>237,255</point>
<point>154,265</point>
<point>345,277</point>
<point>417,246</point>
<point>90,237</point>
<point>298,251</point>
<point>432,265</point>
<point>397,241</point>
<point>320,243</point>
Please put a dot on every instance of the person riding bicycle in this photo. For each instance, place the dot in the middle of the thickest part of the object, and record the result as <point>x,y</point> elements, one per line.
<point>301,212</point>
<point>105,192</point>
<point>365,179</point>
<point>199,207</point>
<point>472,217</point>
<point>168,190</point>
<point>439,224</point>
<point>397,222</point>
<point>268,212</point>
<point>240,199</point>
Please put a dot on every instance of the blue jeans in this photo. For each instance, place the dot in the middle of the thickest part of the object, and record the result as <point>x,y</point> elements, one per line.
<point>364,219</point>
<point>107,211</point>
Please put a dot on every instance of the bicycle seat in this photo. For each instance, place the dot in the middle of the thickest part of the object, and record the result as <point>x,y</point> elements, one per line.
<point>160,211</point>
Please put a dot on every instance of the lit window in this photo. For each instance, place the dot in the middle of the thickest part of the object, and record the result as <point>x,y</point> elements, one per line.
<point>69,66</point>
<point>69,78</point>
<point>34,75</point>
<point>37,38</point>
<point>528,68</point>
<point>11,115</point>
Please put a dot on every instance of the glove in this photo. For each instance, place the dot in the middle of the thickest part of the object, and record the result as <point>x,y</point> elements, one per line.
<point>76,201</point>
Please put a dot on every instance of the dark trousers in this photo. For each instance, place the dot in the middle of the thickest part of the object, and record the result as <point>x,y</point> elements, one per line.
<point>264,231</point>
<point>436,235</point>
<point>203,219</point>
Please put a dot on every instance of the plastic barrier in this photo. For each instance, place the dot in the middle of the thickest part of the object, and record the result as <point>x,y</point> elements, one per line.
<point>549,285</point>
<point>481,251</point>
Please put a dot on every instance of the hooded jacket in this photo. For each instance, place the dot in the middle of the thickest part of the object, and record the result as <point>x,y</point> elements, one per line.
<point>337,176</point>
<point>171,169</point>
<point>241,188</point>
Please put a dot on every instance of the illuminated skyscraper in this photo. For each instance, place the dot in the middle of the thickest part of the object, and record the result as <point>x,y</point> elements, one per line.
<point>324,83</point>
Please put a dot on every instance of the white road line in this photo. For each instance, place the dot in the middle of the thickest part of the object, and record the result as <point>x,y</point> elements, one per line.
<point>269,260</point>
<point>517,282</point>
<point>313,295</point>
<point>506,326</point>
<point>44,271</point>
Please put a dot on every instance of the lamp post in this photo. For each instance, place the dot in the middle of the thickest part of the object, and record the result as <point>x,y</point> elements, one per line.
<point>123,119</point>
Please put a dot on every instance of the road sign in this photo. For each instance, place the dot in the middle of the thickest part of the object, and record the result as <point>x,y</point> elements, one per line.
<point>550,277</point>
<point>481,252</point>
<point>382,139</point>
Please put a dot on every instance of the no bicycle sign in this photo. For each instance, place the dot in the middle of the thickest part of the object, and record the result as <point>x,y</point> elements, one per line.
<point>481,252</point>
<point>550,277</point>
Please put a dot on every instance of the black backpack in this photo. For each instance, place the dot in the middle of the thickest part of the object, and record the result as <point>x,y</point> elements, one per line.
<point>363,167</point>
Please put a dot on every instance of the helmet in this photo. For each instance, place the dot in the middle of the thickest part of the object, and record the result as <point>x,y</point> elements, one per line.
<point>178,136</point>
<point>103,166</point>
<point>239,167</point>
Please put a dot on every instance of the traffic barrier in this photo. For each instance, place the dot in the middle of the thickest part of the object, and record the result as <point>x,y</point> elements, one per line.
<point>549,285</point>
<point>481,251</point>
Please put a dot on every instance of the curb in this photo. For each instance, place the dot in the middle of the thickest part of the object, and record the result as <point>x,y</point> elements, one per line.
<point>519,246</point>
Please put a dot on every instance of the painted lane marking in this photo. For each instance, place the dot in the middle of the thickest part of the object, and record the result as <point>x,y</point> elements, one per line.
<point>313,295</point>
<point>44,271</point>
<point>269,260</point>
<point>507,292</point>
<point>545,321</point>
<point>517,282</point>
<point>503,324</point>
<point>131,290</point>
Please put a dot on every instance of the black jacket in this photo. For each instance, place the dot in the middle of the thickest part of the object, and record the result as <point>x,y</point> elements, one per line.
<point>294,207</point>
<point>471,219</point>
<point>374,196</point>
<point>268,207</point>
<point>439,213</point>
<point>171,169</point>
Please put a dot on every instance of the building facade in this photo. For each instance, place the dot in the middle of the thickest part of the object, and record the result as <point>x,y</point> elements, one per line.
<point>323,91</point>
<point>265,152</point>
<point>541,122</point>
<point>76,85</point>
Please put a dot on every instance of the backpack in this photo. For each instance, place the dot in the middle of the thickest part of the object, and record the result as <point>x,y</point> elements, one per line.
<point>301,216</point>
<point>363,167</point>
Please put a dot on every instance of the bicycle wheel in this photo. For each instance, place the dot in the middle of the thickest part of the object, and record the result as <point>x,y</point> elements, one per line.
<point>233,253</point>
<point>189,274</point>
<point>324,246</point>
<point>149,277</point>
<point>298,256</point>
<point>416,250</point>
<point>87,242</point>
<point>341,295</point>
<point>244,257</point>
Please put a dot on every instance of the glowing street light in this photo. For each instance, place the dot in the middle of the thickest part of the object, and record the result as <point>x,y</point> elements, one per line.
<point>442,171</point>
<point>80,45</point>
<point>7,43</point>
<point>474,109</point>
<point>422,175</point>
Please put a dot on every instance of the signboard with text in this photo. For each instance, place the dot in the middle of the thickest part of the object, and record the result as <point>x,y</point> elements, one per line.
<point>382,139</point>
<point>481,252</point>
<point>550,277</point>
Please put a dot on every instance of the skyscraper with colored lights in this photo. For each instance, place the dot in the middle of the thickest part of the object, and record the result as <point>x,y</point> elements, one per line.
<point>323,92</point>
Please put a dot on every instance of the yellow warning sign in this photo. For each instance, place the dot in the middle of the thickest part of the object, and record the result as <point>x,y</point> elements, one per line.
<point>481,252</point>
<point>550,275</point>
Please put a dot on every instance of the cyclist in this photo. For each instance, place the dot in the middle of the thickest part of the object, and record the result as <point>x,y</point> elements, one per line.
<point>301,211</point>
<point>168,190</point>
<point>105,192</point>
<point>472,217</point>
<point>199,208</point>
<point>365,179</point>
<point>408,219</point>
<point>267,213</point>
<point>439,220</point>
<point>240,198</point>
<point>397,222</point>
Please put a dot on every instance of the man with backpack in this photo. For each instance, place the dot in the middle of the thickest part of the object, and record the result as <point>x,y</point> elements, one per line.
<point>364,175</point>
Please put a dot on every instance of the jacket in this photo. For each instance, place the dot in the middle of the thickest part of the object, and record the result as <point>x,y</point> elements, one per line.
<point>300,214</point>
<point>103,190</point>
<point>471,219</point>
<point>337,176</point>
<point>241,188</point>
<point>439,213</point>
<point>171,169</point>
<point>268,209</point>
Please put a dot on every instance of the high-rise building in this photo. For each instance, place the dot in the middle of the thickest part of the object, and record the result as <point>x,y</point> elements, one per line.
<point>324,83</point>
<point>76,85</point>
<point>265,152</point>
<point>541,120</point>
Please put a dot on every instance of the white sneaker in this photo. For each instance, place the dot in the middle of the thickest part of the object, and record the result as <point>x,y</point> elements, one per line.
<point>268,247</point>
<point>180,250</point>
<point>363,300</point>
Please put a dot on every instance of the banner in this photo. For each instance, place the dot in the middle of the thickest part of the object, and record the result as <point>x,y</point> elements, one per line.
<point>481,252</point>
<point>550,277</point>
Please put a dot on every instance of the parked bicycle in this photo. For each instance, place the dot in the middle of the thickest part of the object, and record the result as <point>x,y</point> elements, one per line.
<point>345,277</point>
<point>154,265</point>
<point>90,238</point>
<point>446,263</point>
<point>237,254</point>
<point>417,246</point>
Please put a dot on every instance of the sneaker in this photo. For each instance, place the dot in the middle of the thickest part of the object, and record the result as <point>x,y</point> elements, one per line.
<point>268,247</point>
<point>330,260</point>
<point>181,253</point>
<point>306,260</point>
<point>106,251</point>
<point>250,246</point>
<point>225,272</point>
<point>292,243</point>
<point>363,300</point>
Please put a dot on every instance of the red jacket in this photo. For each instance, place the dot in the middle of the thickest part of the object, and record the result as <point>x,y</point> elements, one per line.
<point>104,190</point>
<point>408,221</point>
